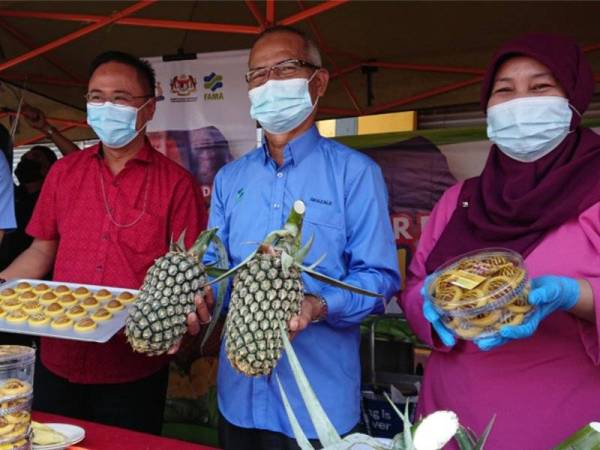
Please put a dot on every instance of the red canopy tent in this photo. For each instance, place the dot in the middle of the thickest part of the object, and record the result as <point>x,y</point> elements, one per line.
<point>416,54</point>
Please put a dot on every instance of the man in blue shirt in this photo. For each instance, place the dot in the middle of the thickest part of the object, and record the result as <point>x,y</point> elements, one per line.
<point>346,211</point>
<point>7,203</point>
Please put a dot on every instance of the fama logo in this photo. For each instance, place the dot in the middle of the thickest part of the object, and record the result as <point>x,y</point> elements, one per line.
<point>213,83</point>
<point>183,85</point>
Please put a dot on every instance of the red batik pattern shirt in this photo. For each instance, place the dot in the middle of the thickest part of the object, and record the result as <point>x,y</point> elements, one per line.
<point>154,192</point>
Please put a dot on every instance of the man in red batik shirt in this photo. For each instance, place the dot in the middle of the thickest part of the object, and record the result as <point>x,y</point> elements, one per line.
<point>103,216</point>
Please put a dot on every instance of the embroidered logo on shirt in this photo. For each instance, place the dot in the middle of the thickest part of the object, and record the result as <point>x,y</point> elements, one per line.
<point>321,201</point>
<point>239,194</point>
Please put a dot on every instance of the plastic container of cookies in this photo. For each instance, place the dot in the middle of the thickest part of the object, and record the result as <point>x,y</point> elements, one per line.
<point>478,292</point>
<point>16,395</point>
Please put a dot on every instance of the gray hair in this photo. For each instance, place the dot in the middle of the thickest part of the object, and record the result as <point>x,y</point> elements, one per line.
<point>313,55</point>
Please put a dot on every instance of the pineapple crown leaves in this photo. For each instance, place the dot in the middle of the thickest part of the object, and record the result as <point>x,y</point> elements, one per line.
<point>201,245</point>
<point>179,245</point>
<point>198,249</point>
<point>216,270</point>
<point>323,426</point>
<point>287,243</point>
<point>408,440</point>
<point>405,440</point>
<point>328,436</point>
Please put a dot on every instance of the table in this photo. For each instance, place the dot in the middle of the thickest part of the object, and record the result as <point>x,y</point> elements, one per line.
<point>104,437</point>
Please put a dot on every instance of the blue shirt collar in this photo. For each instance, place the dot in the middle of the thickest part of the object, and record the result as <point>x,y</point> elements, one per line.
<point>298,148</point>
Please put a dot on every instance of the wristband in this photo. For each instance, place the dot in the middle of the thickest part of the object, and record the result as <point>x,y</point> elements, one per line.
<point>324,307</point>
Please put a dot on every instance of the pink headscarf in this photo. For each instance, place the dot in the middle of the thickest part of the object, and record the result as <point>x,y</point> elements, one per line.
<point>513,204</point>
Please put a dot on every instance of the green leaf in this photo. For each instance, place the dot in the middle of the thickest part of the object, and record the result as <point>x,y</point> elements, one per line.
<point>358,441</point>
<point>334,282</point>
<point>323,426</point>
<point>172,246</point>
<point>406,424</point>
<point>300,255</point>
<point>301,438</point>
<point>201,244</point>
<point>585,438</point>
<point>230,272</point>
<point>181,240</point>
<point>286,262</point>
<point>293,224</point>
<point>276,235</point>
<point>464,438</point>
<point>486,433</point>
<point>223,262</point>
<point>318,261</point>
<point>215,272</point>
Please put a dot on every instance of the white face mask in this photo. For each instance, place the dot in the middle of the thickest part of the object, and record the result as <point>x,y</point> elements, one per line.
<point>528,128</point>
<point>114,124</point>
<point>280,106</point>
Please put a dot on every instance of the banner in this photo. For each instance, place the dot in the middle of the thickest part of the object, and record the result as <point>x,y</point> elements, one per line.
<point>202,118</point>
<point>416,174</point>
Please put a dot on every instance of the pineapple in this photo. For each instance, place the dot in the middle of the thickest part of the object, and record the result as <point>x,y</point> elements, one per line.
<point>268,288</point>
<point>157,320</point>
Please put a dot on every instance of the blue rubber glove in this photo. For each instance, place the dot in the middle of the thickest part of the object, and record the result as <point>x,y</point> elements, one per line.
<point>446,336</point>
<point>548,293</point>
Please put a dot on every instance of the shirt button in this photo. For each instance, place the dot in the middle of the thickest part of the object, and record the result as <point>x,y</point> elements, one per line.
<point>276,205</point>
<point>105,236</point>
<point>99,268</point>
<point>279,174</point>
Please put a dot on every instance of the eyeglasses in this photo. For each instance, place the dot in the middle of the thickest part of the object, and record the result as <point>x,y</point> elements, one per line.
<point>284,69</point>
<point>121,98</point>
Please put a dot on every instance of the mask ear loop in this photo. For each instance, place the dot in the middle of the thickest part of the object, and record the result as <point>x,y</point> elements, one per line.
<point>137,132</point>
<point>308,80</point>
<point>576,112</point>
<point>138,110</point>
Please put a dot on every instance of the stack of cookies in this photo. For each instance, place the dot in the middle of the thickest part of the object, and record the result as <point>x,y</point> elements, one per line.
<point>16,396</point>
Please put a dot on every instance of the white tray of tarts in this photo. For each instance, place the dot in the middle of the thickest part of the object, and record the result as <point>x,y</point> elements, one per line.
<point>81,312</point>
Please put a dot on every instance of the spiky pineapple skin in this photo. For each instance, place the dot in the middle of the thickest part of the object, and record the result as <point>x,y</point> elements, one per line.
<point>262,296</point>
<point>158,318</point>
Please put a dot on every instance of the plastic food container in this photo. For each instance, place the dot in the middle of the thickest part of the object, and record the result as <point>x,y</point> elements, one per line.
<point>479,292</point>
<point>16,396</point>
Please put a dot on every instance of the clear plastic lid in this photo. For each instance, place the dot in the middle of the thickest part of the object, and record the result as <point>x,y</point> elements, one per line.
<point>478,282</point>
<point>12,356</point>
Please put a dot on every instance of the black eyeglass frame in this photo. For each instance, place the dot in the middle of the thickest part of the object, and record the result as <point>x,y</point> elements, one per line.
<point>133,97</point>
<point>299,62</point>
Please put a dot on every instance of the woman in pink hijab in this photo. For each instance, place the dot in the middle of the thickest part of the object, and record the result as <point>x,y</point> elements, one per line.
<point>538,194</point>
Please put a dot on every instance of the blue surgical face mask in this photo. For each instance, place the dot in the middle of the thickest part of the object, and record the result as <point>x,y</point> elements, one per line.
<point>281,105</point>
<point>114,124</point>
<point>528,128</point>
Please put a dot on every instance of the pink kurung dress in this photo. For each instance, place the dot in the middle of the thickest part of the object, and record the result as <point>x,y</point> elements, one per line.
<point>541,389</point>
